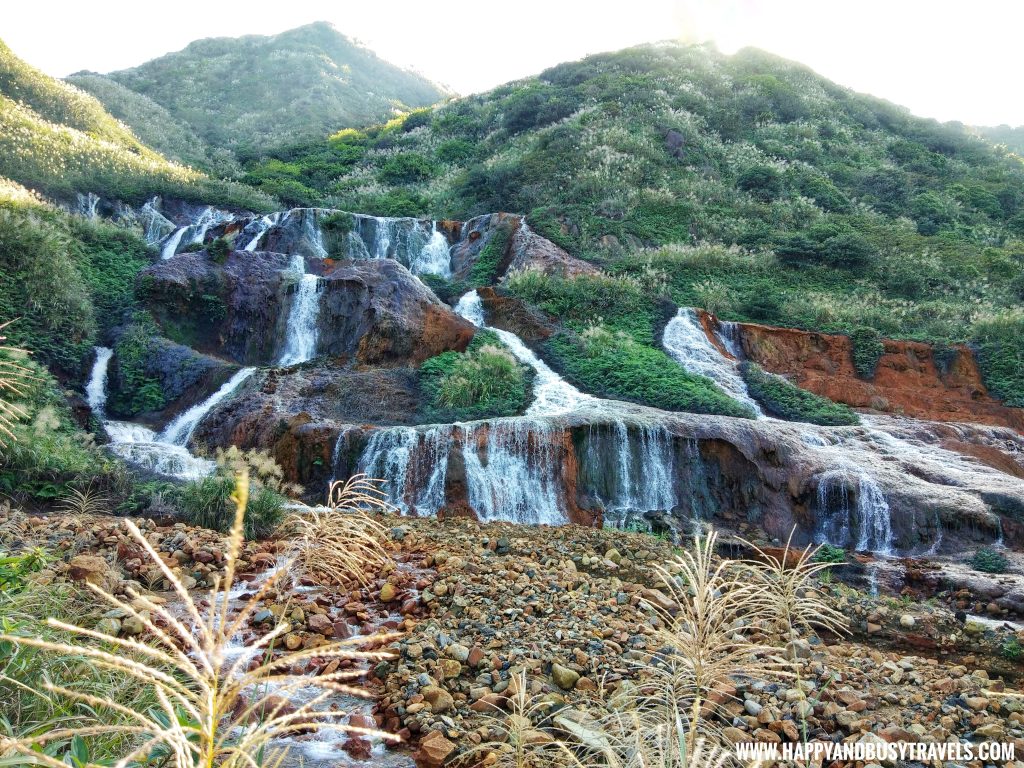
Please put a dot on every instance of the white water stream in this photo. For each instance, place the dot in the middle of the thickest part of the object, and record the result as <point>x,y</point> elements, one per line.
<point>302,334</point>
<point>164,453</point>
<point>685,340</point>
<point>552,394</point>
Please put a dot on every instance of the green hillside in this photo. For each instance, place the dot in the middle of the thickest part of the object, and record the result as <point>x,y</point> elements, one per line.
<point>58,140</point>
<point>251,92</point>
<point>154,125</point>
<point>746,184</point>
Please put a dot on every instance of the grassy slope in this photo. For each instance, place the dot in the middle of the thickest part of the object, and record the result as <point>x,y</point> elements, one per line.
<point>59,141</point>
<point>154,125</point>
<point>255,91</point>
<point>751,185</point>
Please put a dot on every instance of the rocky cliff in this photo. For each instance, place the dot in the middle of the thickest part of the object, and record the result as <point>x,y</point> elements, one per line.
<point>910,379</point>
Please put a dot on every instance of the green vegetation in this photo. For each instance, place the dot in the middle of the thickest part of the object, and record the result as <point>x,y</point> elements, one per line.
<point>612,364</point>
<point>787,401</point>
<point>15,569</point>
<point>50,456</point>
<point>155,126</point>
<point>1012,649</point>
<point>244,94</point>
<point>59,141</point>
<point>758,188</point>
<point>989,561</point>
<point>867,351</point>
<point>485,268</point>
<point>828,553</point>
<point>136,391</point>
<point>485,381</point>
<point>28,709</point>
<point>207,503</point>
<point>608,346</point>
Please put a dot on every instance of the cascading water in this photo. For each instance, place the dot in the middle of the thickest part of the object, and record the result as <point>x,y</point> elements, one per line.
<point>262,226</point>
<point>96,389</point>
<point>413,465</point>
<point>179,431</point>
<point>729,335</point>
<point>170,247</point>
<point>163,454</point>
<point>630,474</point>
<point>434,258</point>
<point>301,335</point>
<point>552,394</point>
<point>685,340</point>
<point>853,512</point>
<point>196,231</point>
<point>517,476</point>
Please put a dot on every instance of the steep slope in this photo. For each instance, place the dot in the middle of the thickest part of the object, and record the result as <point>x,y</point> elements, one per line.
<point>777,196</point>
<point>255,91</point>
<point>60,141</point>
<point>153,124</point>
<point>1013,138</point>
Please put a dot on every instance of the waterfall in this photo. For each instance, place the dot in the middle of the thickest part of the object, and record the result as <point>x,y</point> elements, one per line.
<point>730,337</point>
<point>627,474</point>
<point>413,465</point>
<point>518,475</point>
<point>685,340</point>
<point>171,245</point>
<point>434,258</point>
<point>301,338</point>
<point>144,448</point>
<point>853,512</point>
<point>136,443</point>
<point>179,431</point>
<point>197,230</point>
<point>382,232</point>
<point>552,394</point>
<point>96,389</point>
<point>262,226</point>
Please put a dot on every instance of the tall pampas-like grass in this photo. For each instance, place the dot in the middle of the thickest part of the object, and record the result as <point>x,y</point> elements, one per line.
<point>342,544</point>
<point>705,636</point>
<point>212,711</point>
<point>13,378</point>
<point>790,584</point>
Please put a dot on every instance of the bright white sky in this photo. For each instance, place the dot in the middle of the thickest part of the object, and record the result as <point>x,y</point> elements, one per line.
<point>942,58</point>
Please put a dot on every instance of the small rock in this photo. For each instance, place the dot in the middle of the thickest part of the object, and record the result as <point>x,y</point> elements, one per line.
<point>564,677</point>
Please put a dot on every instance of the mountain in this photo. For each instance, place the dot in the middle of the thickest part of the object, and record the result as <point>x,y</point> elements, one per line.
<point>254,91</point>
<point>748,184</point>
<point>60,141</point>
<point>1012,138</point>
<point>154,125</point>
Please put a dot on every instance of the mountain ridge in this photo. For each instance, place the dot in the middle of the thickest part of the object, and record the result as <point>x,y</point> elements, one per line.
<point>305,82</point>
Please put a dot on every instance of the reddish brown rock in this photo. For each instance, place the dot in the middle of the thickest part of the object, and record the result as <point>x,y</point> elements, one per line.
<point>434,750</point>
<point>908,380</point>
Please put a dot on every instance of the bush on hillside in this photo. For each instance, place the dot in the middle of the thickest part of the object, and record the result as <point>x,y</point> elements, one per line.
<point>485,381</point>
<point>867,351</point>
<point>787,401</point>
<point>611,364</point>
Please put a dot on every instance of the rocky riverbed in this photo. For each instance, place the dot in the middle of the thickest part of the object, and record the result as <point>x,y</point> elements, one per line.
<point>569,606</point>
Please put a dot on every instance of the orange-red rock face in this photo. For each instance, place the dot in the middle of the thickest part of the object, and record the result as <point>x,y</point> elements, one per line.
<point>908,379</point>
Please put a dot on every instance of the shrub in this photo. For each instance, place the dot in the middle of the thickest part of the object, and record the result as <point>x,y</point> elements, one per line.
<point>764,183</point>
<point>827,553</point>
<point>999,342</point>
<point>207,503</point>
<point>612,364</point>
<point>867,350</point>
<point>486,381</point>
<point>787,401</point>
<point>219,250</point>
<point>485,268</point>
<point>406,168</point>
<point>1012,649</point>
<point>989,561</point>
